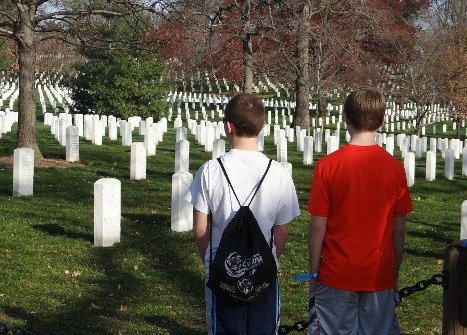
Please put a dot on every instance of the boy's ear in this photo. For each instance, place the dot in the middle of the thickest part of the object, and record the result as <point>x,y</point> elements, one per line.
<point>229,127</point>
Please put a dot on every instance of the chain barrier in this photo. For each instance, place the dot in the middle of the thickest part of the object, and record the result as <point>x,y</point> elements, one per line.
<point>299,326</point>
<point>436,279</point>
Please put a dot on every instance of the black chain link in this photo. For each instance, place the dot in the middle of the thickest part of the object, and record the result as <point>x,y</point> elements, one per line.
<point>297,326</point>
<point>437,279</point>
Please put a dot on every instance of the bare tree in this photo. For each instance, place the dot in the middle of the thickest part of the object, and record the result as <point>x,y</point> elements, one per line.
<point>31,22</point>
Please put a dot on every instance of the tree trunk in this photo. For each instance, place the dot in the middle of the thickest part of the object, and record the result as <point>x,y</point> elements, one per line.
<point>420,113</point>
<point>321,109</point>
<point>247,48</point>
<point>302,94</point>
<point>26,135</point>
<point>247,65</point>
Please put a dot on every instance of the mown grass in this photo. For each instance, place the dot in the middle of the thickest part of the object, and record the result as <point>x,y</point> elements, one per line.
<point>53,279</point>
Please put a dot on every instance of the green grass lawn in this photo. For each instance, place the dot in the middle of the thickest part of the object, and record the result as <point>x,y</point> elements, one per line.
<point>53,279</point>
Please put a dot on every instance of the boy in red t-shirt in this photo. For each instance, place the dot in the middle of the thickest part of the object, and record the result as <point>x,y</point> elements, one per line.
<point>358,202</point>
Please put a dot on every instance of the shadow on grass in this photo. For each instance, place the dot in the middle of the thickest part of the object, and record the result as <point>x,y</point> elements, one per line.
<point>171,325</point>
<point>117,292</point>
<point>427,254</point>
<point>57,230</point>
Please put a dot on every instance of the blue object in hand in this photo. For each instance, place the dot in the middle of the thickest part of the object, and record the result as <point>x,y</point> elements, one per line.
<point>305,276</point>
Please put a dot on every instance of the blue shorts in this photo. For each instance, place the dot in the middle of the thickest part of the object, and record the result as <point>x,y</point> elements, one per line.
<point>258,318</point>
<point>339,312</point>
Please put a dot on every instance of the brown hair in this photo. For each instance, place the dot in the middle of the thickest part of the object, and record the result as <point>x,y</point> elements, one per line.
<point>246,112</point>
<point>365,109</point>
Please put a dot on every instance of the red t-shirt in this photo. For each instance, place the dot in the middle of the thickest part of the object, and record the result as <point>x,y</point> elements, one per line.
<point>359,189</point>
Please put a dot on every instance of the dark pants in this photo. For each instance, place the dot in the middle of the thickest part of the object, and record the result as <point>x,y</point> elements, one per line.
<point>258,318</point>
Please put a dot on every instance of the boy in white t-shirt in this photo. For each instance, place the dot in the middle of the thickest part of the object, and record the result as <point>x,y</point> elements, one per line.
<point>274,206</point>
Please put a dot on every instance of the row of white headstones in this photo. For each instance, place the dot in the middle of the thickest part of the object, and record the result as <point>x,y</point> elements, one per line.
<point>208,134</point>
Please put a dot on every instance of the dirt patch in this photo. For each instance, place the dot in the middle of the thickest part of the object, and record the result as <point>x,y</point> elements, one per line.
<point>44,163</point>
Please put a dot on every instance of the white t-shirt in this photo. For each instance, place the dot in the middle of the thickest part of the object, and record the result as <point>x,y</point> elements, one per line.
<point>275,203</point>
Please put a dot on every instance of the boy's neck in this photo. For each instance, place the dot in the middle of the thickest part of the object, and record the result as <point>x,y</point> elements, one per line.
<point>363,138</point>
<point>244,143</point>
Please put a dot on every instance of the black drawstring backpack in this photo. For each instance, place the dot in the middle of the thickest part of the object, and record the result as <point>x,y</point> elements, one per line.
<point>244,267</point>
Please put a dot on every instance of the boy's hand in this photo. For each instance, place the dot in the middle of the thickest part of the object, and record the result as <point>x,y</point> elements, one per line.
<point>313,283</point>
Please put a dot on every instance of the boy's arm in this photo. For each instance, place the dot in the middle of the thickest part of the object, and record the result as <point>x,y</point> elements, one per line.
<point>201,231</point>
<point>398,239</point>
<point>317,230</point>
<point>280,238</point>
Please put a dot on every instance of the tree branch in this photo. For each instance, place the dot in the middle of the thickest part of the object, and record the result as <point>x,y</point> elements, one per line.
<point>77,14</point>
<point>6,33</point>
<point>7,15</point>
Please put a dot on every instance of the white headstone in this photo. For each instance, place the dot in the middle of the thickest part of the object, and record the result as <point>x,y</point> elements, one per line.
<point>72,144</point>
<point>138,161</point>
<point>181,211</point>
<point>390,145</point>
<point>409,165</point>
<point>218,148</point>
<point>308,150</point>
<point>150,139</point>
<point>433,144</point>
<point>282,149</point>
<point>209,139</point>
<point>87,129</point>
<point>464,161</point>
<point>182,156</point>
<point>333,144</point>
<point>180,134</point>
<point>301,139</point>
<point>430,165</point>
<point>455,144</point>
<point>142,127</point>
<point>107,212</point>
<point>318,140</point>
<point>449,164</point>
<point>79,123</point>
<point>260,141</point>
<point>113,130</point>
<point>23,171</point>
<point>127,135</point>
<point>464,220</point>
<point>97,133</point>
<point>63,124</point>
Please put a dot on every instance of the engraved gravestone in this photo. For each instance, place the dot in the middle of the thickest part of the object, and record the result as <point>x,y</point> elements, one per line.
<point>23,171</point>
<point>72,144</point>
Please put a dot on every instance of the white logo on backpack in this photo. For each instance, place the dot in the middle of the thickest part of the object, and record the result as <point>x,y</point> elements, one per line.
<point>236,266</point>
